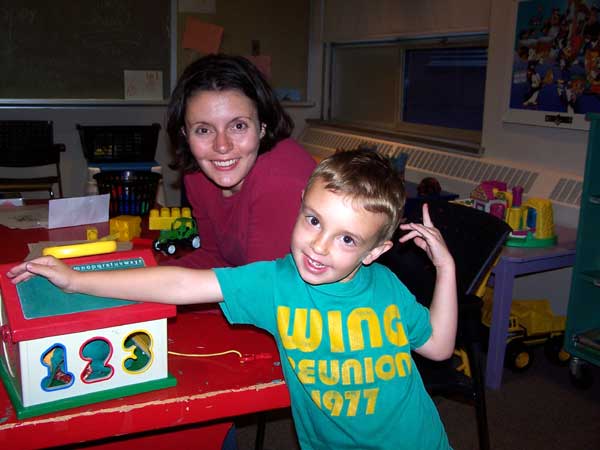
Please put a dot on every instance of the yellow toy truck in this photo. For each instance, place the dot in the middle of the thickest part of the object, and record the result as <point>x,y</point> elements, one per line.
<point>531,323</point>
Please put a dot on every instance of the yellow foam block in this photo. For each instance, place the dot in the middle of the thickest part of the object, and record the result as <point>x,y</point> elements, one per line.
<point>125,227</point>
<point>91,233</point>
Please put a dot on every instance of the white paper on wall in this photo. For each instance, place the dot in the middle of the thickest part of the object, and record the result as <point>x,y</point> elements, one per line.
<point>143,84</point>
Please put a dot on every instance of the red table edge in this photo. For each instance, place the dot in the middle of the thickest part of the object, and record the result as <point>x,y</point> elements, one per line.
<point>148,416</point>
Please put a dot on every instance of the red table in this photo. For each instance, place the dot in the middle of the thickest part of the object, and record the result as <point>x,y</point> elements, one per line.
<point>210,391</point>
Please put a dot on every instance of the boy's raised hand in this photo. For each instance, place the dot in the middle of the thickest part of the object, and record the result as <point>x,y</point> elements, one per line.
<point>429,238</point>
<point>56,271</point>
<point>443,307</point>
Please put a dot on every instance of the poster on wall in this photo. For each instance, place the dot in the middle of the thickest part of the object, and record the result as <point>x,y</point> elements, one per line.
<point>555,78</point>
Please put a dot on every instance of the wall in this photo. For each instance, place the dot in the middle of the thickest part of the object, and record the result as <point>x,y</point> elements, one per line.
<point>553,149</point>
<point>73,163</point>
<point>363,19</point>
<point>518,143</point>
<point>279,28</point>
<point>529,146</point>
<point>522,145</point>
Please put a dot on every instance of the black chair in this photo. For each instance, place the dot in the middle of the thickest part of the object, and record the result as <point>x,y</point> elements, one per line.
<point>474,238</point>
<point>29,144</point>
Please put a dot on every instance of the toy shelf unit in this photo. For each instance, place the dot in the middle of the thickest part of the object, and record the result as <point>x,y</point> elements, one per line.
<point>62,350</point>
<point>582,338</point>
<point>120,148</point>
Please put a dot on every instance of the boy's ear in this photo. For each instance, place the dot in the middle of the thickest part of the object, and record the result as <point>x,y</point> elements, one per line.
<point>376,252</point>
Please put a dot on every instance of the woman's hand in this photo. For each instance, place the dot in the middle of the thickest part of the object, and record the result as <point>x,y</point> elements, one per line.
<point>56,271</point>
<point>429,238</point>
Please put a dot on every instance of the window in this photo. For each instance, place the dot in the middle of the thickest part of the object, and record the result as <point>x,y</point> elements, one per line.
<point>445,87</point>
<point>428,89</point>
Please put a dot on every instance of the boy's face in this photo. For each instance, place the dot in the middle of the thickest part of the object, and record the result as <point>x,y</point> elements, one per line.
<point>333,237</point>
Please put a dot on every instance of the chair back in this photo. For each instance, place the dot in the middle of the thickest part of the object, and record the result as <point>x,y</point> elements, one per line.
<point>474,238</point>
<point>27,143</point>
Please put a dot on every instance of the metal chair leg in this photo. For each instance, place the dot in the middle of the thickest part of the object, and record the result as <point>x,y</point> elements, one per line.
<point>260,431</point>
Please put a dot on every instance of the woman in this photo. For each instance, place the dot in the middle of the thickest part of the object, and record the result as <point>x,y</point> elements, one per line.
<point>243,174</point>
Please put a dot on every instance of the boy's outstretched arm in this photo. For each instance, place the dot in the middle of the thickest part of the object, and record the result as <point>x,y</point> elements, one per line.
<point>173,285</point>
<point>443,308</point>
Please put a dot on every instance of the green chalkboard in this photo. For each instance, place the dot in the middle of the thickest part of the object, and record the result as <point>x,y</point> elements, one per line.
<point>79,49</point>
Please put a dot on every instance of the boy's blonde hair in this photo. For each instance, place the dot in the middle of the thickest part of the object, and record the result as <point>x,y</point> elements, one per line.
<point>368,178</point>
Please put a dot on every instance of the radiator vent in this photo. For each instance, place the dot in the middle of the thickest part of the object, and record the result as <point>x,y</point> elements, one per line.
<point>323,142</point>
<point>458,173</point>
<point>567,191</point>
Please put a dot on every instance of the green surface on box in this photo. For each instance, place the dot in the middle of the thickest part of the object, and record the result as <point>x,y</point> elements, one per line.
<point>40,298</point>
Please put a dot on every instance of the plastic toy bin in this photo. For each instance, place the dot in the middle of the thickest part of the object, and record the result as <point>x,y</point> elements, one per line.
<point>132,192</point>
<point>119,143</point>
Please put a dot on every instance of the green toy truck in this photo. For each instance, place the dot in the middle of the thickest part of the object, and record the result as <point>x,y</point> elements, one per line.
<point>183,231</point>
<point>531,323</point>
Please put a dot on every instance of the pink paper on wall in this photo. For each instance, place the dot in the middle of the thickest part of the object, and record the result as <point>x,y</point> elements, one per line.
<point>201,36</point>
<point>263,63</point>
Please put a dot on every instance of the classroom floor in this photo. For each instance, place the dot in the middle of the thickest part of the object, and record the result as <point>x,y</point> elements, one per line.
<point>535,410</point>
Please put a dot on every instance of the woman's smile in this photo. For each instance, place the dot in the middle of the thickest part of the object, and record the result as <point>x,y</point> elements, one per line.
<point>226,165</point>
<point>223,132</point>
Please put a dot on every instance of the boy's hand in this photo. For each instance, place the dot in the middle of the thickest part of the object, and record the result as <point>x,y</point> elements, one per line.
<point>57,272</point>
<point>429,238</point>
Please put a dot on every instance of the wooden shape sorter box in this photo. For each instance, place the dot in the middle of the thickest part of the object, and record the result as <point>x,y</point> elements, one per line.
<point>64,350</point>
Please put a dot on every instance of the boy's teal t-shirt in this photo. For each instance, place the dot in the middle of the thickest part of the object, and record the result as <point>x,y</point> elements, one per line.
<point>345,353</point>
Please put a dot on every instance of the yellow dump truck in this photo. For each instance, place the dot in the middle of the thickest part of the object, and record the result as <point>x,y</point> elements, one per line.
<point>531,323</point>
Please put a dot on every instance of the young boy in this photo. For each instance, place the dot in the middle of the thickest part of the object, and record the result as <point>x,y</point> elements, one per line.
<point>344,327</point>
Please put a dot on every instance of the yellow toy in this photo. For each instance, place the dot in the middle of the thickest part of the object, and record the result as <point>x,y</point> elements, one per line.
<point>532,224</point>
<point>74,250</point>
<point>531,322</point>
<point>164,219</point>
<point>539,215</point>
<point>91,233</point>
<point>125,228</point>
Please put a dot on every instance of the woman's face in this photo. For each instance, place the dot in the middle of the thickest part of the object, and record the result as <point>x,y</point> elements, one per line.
<point>223,132</point>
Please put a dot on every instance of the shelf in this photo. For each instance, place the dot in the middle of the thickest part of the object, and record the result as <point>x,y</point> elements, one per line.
<point>593,276</point>
<point>588,341</point>
<point>594,199</point>
<point>582,331</point>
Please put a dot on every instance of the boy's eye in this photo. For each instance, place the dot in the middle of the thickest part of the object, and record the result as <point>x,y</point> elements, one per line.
<point>347,240</point>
